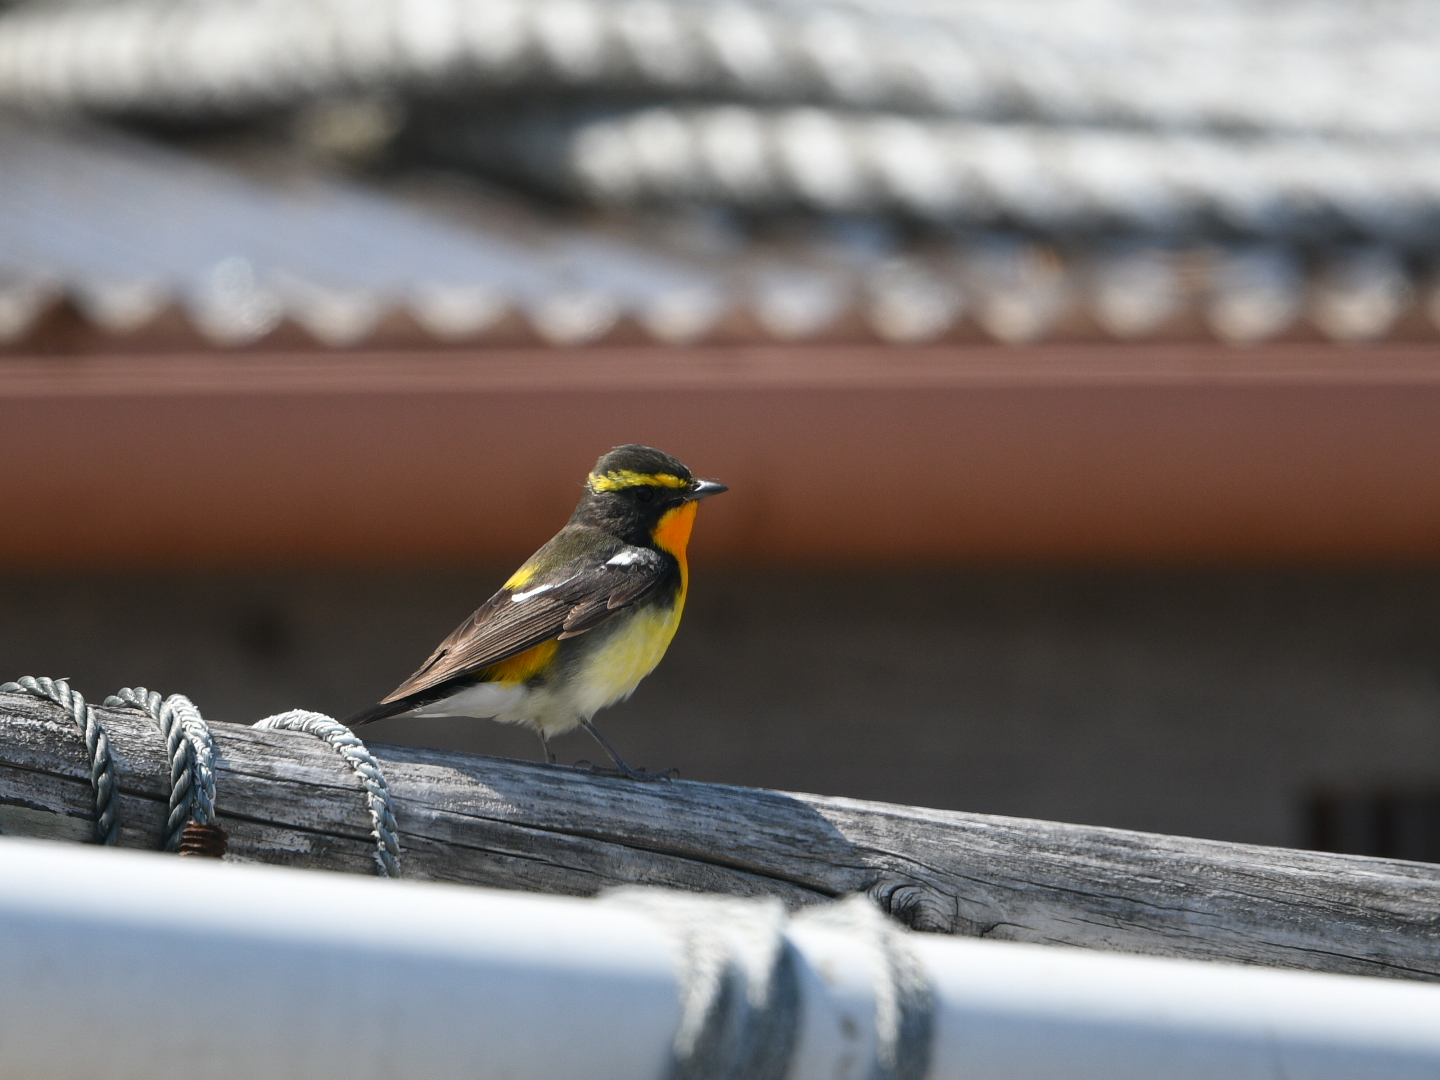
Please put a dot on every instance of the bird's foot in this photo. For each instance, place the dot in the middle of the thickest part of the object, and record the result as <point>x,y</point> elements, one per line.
<point>627,773</point>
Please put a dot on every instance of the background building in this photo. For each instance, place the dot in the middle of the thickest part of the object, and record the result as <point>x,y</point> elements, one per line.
<point>1074,368</point>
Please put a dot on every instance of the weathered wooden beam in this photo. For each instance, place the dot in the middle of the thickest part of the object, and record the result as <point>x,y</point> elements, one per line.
<point>288,798</point>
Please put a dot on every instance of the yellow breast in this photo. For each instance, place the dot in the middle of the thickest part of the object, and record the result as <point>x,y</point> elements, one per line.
<point>631,653</point>
<point>635,649</point>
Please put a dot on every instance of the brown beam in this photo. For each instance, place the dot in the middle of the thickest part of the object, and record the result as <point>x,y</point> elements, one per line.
<point>841,454</point>
<point>715,367</point>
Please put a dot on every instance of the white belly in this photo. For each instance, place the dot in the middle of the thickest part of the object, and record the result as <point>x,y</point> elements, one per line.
<point>480,700</point>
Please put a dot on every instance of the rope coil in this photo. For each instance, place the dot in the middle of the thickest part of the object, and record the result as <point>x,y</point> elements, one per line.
<point>365,767</point>
<point>191,750</point>
<point>904,999</point>
<point>97,743</point>
<point>740,994</point>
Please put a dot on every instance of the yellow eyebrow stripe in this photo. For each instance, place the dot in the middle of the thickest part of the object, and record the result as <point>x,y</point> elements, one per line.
<point>620,479</point>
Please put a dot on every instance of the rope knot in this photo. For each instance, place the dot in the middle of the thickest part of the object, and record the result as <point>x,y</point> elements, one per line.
<point>363,764</point>
<point>191,751</point>
<point>97,744</point>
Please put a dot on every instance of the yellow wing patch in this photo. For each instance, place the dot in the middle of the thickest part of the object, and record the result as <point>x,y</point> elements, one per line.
<point>519,578</point>
<point>620,479</point>
<point>522,666</point>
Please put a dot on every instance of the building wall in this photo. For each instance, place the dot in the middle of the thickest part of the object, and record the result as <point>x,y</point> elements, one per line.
<point>1210,703</point>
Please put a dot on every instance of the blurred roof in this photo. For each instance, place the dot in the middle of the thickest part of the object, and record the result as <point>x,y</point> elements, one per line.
<point>128,235</point>
<point>1316,66</point>
<point>129,231</point>
<point>697,170</point>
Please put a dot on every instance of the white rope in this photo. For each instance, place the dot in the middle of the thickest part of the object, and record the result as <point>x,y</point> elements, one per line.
<point>365,767</point>
<point>740,994</point>
<point>97,744</point>
<point>904,1001</point>
<point>191,751</point>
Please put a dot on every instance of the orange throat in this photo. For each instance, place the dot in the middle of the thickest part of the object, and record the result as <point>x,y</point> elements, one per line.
<point>672,534</point>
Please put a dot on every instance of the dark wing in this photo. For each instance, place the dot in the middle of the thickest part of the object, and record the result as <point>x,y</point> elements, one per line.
<point>570,600</point>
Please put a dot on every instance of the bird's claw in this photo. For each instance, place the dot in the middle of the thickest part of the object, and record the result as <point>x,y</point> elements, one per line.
<point>627,773</point>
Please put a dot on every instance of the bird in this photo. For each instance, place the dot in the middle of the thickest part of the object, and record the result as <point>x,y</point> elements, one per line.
<point>582,621</point>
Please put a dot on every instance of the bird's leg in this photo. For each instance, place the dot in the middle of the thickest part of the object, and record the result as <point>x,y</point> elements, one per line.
<point>621,769</point>
<point>545,745</point>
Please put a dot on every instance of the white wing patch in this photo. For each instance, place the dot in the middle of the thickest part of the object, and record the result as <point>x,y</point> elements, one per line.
<point>627,556</point>
<point>517,597</point>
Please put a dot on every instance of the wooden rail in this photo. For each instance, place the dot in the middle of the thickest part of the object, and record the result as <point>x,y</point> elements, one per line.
<point>288,798</point>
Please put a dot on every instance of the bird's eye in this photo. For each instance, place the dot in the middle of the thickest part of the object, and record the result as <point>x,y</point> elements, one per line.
<point>645,494</point>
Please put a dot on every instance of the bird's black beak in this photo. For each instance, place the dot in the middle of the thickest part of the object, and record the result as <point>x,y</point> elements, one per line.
<point>703,489</point>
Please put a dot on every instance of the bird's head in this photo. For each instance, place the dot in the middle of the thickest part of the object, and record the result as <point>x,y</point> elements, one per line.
<point>643,495</point>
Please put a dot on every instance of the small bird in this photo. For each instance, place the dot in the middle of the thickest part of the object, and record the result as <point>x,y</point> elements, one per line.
<point>582,621</point>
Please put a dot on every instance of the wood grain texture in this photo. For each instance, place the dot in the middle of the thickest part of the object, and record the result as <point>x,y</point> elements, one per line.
<point>288,798</point>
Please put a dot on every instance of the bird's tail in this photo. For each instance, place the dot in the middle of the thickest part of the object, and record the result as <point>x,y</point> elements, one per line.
<point>377,712</point>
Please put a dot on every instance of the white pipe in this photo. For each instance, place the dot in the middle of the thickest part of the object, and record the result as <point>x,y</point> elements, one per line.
<point>126,964</point>
<point>1031,1011</point>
